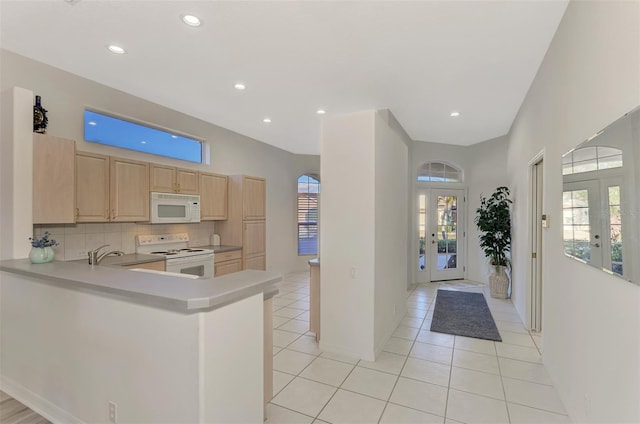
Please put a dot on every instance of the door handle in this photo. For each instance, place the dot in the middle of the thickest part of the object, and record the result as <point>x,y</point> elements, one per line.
<point>596,245</point>
<point>433,242</point>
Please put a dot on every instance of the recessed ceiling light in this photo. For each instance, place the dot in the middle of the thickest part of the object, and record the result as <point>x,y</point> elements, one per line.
<point>321,111</point>
<point>454,114</point>
<point>116,49</point>
<point>143,142</point>
<point>92,123</point>
<point>267,120</point>
<point>240,86</point>
<point>191,20</point>
<point>174,136</point>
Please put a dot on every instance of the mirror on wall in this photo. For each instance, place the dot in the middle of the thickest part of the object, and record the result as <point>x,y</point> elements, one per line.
<point>600,204</point>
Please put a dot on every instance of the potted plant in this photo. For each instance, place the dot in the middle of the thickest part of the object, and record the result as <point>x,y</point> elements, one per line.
<point>493,219</point>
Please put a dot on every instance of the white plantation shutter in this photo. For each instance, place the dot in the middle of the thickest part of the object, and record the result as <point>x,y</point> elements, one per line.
<point>308,189</point>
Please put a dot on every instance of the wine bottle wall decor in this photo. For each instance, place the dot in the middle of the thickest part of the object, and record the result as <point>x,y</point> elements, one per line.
<point>39,117</point>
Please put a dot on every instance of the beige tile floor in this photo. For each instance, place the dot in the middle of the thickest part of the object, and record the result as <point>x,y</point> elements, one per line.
<point>420,377</point>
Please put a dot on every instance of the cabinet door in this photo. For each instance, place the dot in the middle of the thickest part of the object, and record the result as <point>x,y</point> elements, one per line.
<point>92,187</point>
<point>187,181</point>
<point>254,198</point>
<point>163,178</point>
<point>129,190</point>
<point>227,267</point>
<point>213,197</point>
<point>253,238</point>
<point>257,262</point>
<point>54,200</point>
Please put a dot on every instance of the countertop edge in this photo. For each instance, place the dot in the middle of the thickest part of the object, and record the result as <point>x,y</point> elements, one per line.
<point>166,292</point>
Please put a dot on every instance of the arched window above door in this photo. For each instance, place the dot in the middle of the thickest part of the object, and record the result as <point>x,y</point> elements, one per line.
<point>439,172</point>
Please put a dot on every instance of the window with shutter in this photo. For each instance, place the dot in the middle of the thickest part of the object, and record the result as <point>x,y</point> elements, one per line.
<point>308,189</point>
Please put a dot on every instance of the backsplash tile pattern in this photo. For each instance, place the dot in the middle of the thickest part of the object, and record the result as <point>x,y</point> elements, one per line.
<point>77,239</point>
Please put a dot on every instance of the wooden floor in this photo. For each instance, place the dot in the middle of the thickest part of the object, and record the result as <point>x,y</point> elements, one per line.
<point>13,412</point>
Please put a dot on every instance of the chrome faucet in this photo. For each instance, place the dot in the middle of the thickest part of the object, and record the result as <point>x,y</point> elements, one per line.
<point>95,256</point>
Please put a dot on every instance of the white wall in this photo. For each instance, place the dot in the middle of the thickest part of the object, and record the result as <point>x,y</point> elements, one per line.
<point>16,170</point>
<point>348,234</point>
<point>66,95</point>
<point>391,223</point>
<point>486,170</point>
<point>67,353</point>
<point>591,321</point>
<point>364,213</point>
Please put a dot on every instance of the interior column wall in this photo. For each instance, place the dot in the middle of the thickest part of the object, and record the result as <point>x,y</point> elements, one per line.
<point>347,234</point>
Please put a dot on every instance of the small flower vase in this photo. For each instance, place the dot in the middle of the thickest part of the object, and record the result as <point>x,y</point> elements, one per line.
<point>41,255</point>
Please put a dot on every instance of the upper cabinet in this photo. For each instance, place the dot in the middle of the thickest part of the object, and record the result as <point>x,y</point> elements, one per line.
<point>92,187</point>
<point>254,198</point>
<point>53,180</point>
<point>111,189</point>
<point>213,197</point>
<point>167,179</point>
<point>129,192</point>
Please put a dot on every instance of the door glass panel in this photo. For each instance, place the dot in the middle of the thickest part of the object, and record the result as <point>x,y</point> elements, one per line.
<point>576,228</point>
<point>615,229</point>
<point>447,215</point>
<point>422,231</point>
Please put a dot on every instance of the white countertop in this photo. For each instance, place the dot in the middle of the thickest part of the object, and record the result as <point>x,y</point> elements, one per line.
<point>186,295</point>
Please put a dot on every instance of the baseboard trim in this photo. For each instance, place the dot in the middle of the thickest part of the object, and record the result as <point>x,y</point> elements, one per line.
<point>37,403</point>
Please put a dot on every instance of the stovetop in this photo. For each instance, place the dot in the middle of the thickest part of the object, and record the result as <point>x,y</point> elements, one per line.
<point>168,245</point>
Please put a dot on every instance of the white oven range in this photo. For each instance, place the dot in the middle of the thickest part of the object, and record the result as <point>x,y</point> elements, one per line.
<point>180,258</point>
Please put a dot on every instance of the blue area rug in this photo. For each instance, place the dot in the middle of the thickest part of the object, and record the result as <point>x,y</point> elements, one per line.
<point>464,314</point>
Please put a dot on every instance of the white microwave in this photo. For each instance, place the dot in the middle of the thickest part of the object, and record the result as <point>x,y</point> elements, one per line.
<point>168,208</point>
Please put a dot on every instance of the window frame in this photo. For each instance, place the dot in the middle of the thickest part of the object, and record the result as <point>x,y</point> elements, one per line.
<point>307,223</point>
<point>205,150</point>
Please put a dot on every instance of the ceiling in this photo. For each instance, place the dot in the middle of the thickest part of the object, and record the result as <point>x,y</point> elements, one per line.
<point>420,59</point>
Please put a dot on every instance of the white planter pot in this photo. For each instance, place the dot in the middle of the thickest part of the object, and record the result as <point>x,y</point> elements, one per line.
<point>499,283</point>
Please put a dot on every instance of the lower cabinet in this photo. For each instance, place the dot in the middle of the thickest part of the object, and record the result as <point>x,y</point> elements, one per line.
<point>257,262</point>
<point>227,262</point>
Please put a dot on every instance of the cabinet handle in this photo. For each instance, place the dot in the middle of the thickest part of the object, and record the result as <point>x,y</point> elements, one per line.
<point>108,216</point>
<point>77,213</point>
<point>113,214</point>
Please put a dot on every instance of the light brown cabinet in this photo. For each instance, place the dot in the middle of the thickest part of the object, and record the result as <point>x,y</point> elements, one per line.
<point>129,192</point>
<point>314,299</point>
<point>92,187</point>
<point>254,192</point>
<point>167,179</point>
<point>53,180</point>
<point>111,189</point>
<point>227,262</point>
<point>213,197</point>
<point>245,224</point>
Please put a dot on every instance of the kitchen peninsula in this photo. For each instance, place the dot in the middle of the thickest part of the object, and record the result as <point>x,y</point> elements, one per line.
<point>82,343</point>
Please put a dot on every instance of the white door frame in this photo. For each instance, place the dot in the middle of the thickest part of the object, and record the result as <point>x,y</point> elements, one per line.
<point>536,276</point>
<point>427,189</point>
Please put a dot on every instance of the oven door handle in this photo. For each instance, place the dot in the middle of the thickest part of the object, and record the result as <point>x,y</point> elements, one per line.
<point>190,259</point>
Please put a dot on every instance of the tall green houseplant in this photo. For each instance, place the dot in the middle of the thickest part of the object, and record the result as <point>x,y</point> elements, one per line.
<point>493,219</point>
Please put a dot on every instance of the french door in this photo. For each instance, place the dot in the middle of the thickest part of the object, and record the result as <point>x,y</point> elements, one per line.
<point>592,222</point>
<point>441,247</point>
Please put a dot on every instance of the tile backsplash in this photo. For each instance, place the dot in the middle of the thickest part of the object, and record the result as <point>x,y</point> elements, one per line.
<point>77,239</point>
